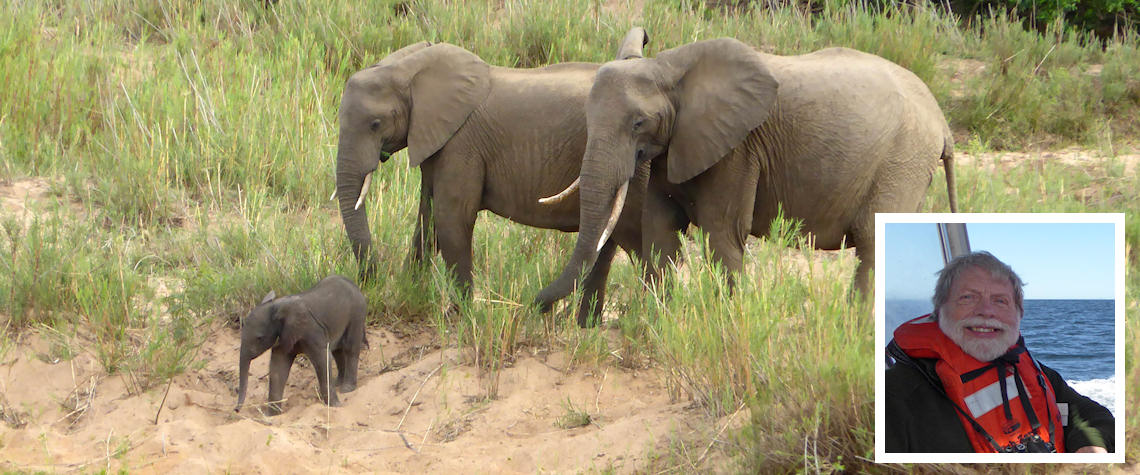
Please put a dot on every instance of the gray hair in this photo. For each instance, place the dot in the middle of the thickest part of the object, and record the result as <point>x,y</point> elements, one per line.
<point>982,260</point>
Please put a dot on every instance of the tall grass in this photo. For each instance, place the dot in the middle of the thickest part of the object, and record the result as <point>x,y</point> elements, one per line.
<point>39,268</point>
<point>195,141</point>
<point>788,345</point>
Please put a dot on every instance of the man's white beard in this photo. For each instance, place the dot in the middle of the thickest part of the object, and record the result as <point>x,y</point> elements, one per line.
<point>981,350</point>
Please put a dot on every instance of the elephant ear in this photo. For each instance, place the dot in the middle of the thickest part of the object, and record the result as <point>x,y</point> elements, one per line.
<point>446,84</point>
<point>633,45</point>
<point>722,91</point>
<point>284,320</point>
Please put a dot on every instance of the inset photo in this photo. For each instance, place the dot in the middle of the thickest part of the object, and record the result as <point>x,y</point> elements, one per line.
<point>999,338</point>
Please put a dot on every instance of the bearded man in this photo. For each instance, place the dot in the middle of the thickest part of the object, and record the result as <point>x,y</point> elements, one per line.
<point>945,391</point>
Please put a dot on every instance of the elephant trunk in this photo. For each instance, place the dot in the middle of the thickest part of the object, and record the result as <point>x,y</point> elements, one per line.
<point>243,377</point>
<point>350,183</point>
<point>600,203</point>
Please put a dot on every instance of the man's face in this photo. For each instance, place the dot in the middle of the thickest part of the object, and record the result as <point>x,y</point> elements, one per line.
<point>980,314</point>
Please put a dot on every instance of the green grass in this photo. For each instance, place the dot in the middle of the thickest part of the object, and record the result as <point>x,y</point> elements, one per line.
<point>781,346</point>
<point>195,141</point>
<point>573,417</point>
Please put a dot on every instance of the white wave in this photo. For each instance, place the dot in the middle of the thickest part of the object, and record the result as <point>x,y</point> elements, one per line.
<point>1099,390</point>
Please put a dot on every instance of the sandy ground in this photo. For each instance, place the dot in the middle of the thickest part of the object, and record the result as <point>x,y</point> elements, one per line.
<point>1072,156</point>
<point>417,409</point>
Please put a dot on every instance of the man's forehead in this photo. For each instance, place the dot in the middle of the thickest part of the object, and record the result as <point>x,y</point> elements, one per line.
<point>974,277</point>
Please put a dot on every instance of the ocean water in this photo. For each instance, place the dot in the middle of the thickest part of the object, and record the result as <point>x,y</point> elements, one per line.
<point>1074,337</point>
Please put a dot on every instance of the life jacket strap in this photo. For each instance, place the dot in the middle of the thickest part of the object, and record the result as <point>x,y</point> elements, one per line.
<point>900,356</point>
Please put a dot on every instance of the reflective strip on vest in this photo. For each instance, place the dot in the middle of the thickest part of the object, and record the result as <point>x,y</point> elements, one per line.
<point>989,397</point>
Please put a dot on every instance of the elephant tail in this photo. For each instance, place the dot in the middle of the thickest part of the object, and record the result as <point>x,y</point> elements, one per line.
<point>948,166</point>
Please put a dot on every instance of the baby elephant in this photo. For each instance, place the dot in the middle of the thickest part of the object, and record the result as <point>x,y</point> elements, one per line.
<point>326,318</point>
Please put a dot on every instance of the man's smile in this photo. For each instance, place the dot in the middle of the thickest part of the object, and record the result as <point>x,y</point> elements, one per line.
<point>984,331</point>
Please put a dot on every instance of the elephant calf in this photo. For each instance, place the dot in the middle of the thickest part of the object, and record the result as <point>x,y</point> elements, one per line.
<point>328,318</point>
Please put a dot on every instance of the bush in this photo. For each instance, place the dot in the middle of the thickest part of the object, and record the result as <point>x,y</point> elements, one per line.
<point>1103,18</point>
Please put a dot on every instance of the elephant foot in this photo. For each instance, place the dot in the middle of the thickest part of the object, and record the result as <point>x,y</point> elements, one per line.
<point>346,387</point>
<point>272,409</point>
<point>330,399</point>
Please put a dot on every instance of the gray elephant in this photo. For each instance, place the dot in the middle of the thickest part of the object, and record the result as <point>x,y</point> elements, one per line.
<point>717,134</point>
<point>484,137</point>
<point>328,318</point>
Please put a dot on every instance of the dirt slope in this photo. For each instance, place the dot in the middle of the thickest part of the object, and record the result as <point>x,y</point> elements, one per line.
<point>428,416</point>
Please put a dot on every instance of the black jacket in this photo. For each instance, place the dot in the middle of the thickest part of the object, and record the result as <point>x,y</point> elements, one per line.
<point>920,419</point>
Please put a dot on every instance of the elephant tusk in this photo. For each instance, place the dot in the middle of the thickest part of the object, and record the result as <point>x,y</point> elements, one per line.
<point>332,196</point>
<point>549,200</point>
<point>364,190</point>
<point>619,203</point>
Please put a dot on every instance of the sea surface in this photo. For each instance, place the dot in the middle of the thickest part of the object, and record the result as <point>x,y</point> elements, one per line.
<point>1074,337</point>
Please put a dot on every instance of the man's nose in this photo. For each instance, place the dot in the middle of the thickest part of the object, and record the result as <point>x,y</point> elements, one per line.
<point>986,307</point>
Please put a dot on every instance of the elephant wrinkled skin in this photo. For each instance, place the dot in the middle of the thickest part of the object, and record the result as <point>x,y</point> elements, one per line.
<point>484,137</point>
<point>717,134</point>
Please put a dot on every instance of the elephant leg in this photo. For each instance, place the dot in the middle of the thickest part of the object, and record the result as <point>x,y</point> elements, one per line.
<point>423,241</point>
<point>318,354</point>
<point>349,359</point>
<point>458,191</point>
<point>455,245</point>
<point>862,236</point>
<point>903,194</point>
<point>724,199</point>
<point>662,220</point>
<point>279,364</point>
<point>339,357</point>
<point>594,287</point>
<point>727,249</point>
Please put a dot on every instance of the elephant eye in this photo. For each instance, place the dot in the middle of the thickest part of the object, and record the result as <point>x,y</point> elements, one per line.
<point>637,124</point>
<point>375,125</point>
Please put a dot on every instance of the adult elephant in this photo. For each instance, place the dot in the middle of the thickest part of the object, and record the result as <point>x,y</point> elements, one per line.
<point>720,135</point>
<point>484,137</point>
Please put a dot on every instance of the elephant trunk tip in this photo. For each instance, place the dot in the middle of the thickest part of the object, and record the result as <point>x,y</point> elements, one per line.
<point>240,401</point>
<point>546,298</point>
<point>243,377</point>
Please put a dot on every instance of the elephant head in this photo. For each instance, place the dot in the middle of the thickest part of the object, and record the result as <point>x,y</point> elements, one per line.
<point>415,98</point>
<point>260,330</point>
<point>689,106</point>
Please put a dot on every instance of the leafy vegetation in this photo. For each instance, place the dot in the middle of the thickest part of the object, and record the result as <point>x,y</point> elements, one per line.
<point>1104,18</point>
<point>195,142</point>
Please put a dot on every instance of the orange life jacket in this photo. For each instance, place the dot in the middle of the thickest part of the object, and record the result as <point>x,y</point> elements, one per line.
<point>997,417</point>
